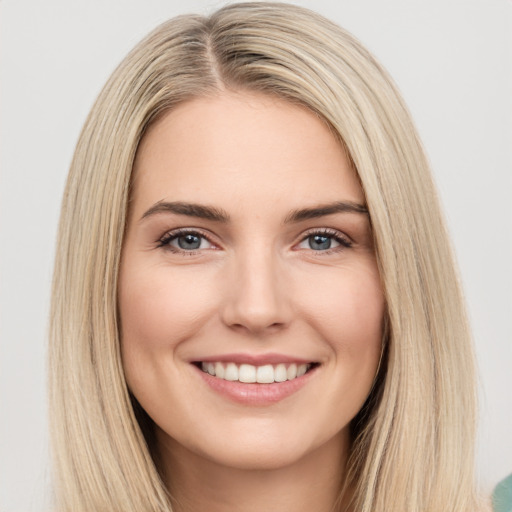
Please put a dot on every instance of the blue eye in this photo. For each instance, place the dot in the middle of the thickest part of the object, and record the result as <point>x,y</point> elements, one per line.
<point>324,241</point>
<point>185,241</point>
<point>188,242</point>
<point>320,242</point>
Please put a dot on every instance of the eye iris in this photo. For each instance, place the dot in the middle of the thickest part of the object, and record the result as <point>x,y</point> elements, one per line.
<point>189,242</point>
<point>319,242</point>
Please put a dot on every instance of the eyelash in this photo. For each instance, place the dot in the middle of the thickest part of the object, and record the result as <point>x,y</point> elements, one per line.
<point>343,240</point>
<point>165,241</point>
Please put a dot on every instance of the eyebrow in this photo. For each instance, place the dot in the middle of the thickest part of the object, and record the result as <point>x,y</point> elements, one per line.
<point>189,209</point>
<point>326,209</point>
<point>220,215</point>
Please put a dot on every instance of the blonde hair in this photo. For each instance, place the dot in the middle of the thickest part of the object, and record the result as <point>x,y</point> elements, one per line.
<point>413,440</point>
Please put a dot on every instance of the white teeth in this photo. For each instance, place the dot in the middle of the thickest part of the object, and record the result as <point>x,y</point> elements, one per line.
<point>265,374</point>
<point>231,372</point>
<point>280,374</point>
<point>291,372</point>
<point>301,370</point>
<point>219,370</point>
<point>247,373</point>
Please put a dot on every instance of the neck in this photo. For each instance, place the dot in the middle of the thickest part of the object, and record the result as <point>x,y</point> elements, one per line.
<point>312,483</point>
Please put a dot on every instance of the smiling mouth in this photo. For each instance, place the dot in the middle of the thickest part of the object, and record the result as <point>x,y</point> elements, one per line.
<point>248,373</point>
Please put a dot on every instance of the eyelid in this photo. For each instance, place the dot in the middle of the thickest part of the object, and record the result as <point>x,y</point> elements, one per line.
<point>168,236</point>
<point>326,231</point>
<point>344,240</point>
<point>164,241</point>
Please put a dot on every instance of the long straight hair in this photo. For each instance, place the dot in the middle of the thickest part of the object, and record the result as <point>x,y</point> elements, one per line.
<point>413,442</point>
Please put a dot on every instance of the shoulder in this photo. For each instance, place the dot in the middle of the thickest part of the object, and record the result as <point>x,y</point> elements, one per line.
<point>502,496</point>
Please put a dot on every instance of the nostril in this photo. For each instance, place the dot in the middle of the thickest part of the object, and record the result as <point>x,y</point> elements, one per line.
<point>255,327</point>
<point>257,306</point>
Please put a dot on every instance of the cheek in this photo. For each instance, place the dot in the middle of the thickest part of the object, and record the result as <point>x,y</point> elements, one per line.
<point>158,310</point>
<point>347,306</point>
<point>350,321</point>
<point>346,309</point>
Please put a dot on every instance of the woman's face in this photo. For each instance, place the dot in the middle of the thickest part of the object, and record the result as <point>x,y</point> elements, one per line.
<point>248,257</point>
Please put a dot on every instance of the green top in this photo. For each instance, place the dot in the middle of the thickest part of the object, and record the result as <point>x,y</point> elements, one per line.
<point>502,496</point>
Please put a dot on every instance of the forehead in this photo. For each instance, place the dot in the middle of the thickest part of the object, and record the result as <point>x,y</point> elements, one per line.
<point>242,147</point>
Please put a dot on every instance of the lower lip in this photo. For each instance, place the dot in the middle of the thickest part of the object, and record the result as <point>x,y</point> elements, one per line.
<point>256,394</point>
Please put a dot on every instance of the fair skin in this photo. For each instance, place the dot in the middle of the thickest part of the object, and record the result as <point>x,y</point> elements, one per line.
<point>272,270</point>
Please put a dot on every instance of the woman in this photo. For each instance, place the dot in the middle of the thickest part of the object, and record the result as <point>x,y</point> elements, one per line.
<point>255,304</point>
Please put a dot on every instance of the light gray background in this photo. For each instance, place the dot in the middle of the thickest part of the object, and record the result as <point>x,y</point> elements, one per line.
<point>452,59</point>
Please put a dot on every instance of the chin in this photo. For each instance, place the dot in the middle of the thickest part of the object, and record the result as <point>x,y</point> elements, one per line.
<point>260,456</point>
<point>269,448</point>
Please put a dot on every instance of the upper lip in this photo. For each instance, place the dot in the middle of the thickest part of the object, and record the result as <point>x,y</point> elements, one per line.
<point>253,359</point>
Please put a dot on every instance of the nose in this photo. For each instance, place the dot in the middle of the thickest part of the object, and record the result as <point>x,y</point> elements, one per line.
<point>257,299</point>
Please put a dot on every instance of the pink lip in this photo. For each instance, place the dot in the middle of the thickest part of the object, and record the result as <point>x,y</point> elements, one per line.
<point>254,359</point>
<point>255,394</point>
